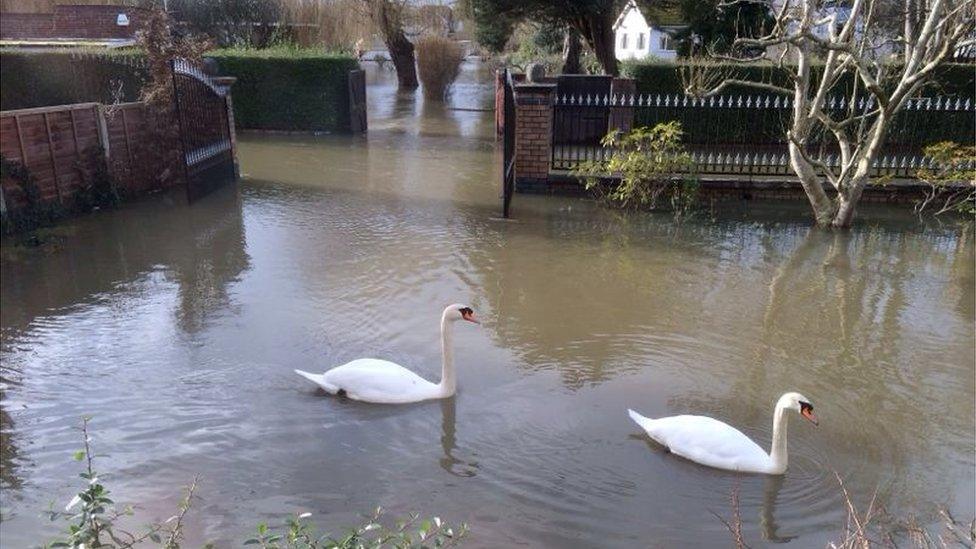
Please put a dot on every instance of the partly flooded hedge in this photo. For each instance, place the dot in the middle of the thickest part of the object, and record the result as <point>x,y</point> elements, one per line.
<point>276,89</point>
<point>288,89</point>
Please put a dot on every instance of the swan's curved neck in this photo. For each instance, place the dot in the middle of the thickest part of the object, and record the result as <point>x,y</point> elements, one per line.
<point>777,454</point>
<point>448,382</point>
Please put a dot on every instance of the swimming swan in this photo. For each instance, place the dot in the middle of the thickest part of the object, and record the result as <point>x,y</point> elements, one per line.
<point>381,381</point>
<point>710,442</point>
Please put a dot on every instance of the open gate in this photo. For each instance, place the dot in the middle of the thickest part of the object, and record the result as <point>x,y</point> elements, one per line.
<point>508,143</point>
<point>205,132</point>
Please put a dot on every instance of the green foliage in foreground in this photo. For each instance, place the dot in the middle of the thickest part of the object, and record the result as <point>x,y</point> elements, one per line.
<point>649,163</point>
<point>287,88</point>
<point>409,533</point>
<point>93,521</point>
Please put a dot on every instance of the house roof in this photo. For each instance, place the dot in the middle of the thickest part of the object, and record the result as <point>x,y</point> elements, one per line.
<point>667,16</point>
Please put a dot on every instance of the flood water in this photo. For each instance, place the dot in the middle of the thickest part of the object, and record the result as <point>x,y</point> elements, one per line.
<point>177,329</point>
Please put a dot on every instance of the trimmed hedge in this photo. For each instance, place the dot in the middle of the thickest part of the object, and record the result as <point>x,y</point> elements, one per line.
<point>953,80</point>
<point>59,77</point>
<point>289,89</point>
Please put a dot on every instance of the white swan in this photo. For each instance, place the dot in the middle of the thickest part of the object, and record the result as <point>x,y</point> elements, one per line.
<point>381,381</point>
<point>710,442</point>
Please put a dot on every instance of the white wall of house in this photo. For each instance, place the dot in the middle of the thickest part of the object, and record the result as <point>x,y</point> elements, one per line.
<point>636,39</point>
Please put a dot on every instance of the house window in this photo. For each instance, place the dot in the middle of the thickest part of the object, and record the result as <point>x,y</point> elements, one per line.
<point>623,41</point>
<point>640,41</point>
<point>666,43</point>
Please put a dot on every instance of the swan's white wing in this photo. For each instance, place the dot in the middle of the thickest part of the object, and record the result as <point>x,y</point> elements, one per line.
<point>373,380</point>
<point>710,442</point>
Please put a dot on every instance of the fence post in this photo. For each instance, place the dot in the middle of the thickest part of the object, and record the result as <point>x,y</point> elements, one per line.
<point>227,82</point>
<point>533,135</point>
<point>103,132</point>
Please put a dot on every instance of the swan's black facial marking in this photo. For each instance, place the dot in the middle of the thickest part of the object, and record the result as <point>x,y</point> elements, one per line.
<point>806,410</point>
<point>468,314</point>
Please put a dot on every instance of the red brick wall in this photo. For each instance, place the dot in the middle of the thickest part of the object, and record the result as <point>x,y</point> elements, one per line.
<point>88,22</point>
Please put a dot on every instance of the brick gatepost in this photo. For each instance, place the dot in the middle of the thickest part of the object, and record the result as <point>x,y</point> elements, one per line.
<point>533,136</point>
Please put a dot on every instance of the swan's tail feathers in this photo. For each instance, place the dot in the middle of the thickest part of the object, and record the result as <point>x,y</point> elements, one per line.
<point>318,379</point>
<point>644,422</point>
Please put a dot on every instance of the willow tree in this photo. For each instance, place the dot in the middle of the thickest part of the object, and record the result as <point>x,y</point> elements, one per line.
<point>875,69</point>
<point>388,16</point>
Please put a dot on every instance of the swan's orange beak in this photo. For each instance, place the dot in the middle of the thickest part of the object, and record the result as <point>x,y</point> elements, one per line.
<point>808,413</point>
<point>469,316</point>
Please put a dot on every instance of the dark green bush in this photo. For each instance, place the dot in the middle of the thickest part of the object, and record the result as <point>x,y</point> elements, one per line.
<point>59,77</point>
<point>953,79</point>
<point>289,89</point>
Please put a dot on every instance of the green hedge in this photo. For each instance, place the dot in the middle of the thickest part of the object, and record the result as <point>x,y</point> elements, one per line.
<point>57,77</point>
<point>953,80</point>
<point>287,89</point>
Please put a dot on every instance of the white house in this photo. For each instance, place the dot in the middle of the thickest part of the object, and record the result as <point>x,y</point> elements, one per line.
<point>636,38</point>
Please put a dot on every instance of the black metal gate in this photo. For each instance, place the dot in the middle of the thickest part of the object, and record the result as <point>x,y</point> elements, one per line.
<point>205,131</point>
<point>576,133</point>
<point>508,159</point>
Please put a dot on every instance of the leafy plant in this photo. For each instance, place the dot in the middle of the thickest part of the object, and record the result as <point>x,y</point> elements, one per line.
<point>299,534</point>
<point>92,515</point>
<point>951,179</point>
<point>34,213</point>
<point>650,162</point>
<point>98,189</point>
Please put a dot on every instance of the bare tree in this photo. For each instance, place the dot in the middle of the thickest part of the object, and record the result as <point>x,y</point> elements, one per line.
<point>388,15</point>
<point>877,71</point>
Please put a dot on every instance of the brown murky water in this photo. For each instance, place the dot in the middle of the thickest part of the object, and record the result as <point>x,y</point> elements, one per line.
<point>178,327</point>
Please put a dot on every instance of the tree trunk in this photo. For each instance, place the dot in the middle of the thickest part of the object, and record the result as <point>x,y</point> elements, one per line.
<point>387,16</point>
<point>572,48</point>
<point>597,30</point>
<point>822,205</point>
<point>401,53</point>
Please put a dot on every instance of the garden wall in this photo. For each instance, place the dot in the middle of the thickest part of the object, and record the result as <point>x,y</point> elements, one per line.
<point>289,90</point>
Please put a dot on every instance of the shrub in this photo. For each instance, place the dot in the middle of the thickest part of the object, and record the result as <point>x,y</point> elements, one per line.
<point>37,79</point>
<point>439,60</point>
<point>649,163</point>
<point>951,179</point>
<point>288,88</point>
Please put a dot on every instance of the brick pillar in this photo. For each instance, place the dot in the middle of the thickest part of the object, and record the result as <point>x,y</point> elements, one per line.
<point>533,135</point>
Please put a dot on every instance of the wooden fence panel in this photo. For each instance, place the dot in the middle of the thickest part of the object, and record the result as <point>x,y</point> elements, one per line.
<point>59,145</point>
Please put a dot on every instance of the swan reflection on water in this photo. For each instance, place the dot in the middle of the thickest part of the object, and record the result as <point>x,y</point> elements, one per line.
<point>451,464</point>
<point>772,485</point>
